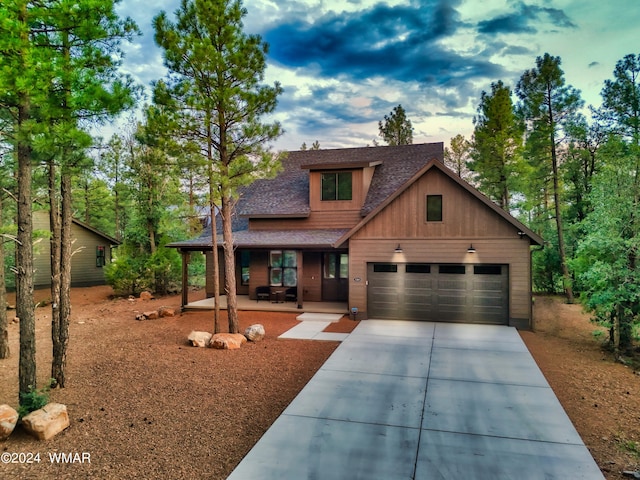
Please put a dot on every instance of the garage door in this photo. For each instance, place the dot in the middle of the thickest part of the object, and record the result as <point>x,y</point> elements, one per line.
<point>438,293</point>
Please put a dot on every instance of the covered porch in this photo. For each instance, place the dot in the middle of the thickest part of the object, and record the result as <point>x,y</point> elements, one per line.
<point>245,303</point>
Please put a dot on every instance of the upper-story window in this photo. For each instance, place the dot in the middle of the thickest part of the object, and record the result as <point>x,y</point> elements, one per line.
<point>336,186</point>
<point>434,208</point>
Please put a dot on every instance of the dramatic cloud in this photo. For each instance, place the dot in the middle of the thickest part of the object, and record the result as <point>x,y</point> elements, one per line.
<point>344,64</point>
<point>526,19</point>
<point>399,42</point>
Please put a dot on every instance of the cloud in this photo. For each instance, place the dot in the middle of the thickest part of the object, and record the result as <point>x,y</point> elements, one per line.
<point>525,19</point>
<point>401,42</point>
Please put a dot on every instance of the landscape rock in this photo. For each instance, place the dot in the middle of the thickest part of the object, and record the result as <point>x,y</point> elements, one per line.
<point>146,296</point>
<point>227,341</point>
<point>46,422</point>
<point>8,420</point>
<point>166,312</point>
<point>255,333</point>
<point>150,315</point>
<point>199,339</point>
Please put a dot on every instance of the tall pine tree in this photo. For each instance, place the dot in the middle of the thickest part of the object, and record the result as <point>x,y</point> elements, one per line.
<point>216,74</point>
<point>549,105</point>
<point>497,139</point>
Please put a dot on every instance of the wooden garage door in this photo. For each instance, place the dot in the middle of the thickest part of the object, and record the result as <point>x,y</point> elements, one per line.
<point>438,292</point>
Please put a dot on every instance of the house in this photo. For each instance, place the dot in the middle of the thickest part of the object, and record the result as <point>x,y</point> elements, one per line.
<point>92,250</point>
<point>391,231</point>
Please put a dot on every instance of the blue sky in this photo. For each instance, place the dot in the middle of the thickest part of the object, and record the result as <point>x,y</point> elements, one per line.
<point>344,64</point>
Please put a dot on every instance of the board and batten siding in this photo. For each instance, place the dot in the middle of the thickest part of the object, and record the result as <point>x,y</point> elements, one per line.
<point>465,221</point>
<point>84,271</point>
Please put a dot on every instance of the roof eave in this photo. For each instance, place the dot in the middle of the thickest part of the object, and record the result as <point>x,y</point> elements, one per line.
<point>434,162</point>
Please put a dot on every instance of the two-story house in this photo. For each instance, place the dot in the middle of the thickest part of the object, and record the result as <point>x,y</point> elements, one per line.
<point>389,230</point>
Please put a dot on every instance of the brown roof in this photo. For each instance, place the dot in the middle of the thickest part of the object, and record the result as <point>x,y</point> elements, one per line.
<point>287,195</point>
<point>325,238</point>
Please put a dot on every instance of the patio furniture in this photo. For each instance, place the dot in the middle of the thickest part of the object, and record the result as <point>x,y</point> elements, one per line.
<point>263,293</point>
<point>291,294</point>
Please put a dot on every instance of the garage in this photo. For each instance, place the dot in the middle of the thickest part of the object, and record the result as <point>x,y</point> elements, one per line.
<point>471,293</point>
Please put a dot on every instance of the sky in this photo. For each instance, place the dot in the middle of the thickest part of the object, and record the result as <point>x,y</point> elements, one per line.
<point>345,64</point>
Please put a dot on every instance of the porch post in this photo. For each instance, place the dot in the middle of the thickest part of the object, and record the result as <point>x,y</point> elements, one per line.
<point>300,276</point>
<point>185,278</point>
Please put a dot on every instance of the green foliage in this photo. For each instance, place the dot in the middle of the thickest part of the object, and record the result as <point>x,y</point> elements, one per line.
<point>606,260</point>
<point>126,273</point>
<point>132,272</point>
<point>197,270</point>
<point>497,140</point>
<point>33,400</point>
<point>396,128</point>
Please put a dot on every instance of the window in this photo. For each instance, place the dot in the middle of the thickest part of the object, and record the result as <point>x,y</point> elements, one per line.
<point>283,268</point>
<point>336,186</point>
<point>452,269</point>
<point>434,208</point>
<point>245,260</point>
<point>385,268</point>
<point>336,265</point>
<point>417,268</point>
<point>100,256</point>
<point>487,270</point>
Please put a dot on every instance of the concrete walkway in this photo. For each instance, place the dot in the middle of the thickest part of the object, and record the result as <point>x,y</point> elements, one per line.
<point>412,400</point>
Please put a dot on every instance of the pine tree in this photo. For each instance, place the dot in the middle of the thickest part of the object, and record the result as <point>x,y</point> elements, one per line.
<point>396,128</point>
<point>215,79</point>
<point>496,144</point>
<point>548,105</point>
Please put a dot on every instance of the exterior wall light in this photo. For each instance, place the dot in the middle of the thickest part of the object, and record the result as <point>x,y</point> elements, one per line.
<point>398,249</point>
<point>471,249</point>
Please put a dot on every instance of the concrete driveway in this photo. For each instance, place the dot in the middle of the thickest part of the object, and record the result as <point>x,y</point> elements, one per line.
<point>412,400</point>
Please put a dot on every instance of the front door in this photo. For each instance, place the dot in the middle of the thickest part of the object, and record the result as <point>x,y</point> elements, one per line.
<point>335,277</point>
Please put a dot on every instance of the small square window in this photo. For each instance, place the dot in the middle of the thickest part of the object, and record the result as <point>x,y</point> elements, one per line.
<point>336,186</point>
<point>434,208</point>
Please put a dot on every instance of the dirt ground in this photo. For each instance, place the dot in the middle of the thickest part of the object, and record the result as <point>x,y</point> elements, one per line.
<point>143,404</point>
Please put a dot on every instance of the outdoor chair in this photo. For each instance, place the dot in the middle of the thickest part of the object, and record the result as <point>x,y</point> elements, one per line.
<point>291,294</point>
<point>263,293</point>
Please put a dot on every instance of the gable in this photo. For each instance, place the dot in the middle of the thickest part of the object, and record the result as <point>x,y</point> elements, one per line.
<point>465,212</point>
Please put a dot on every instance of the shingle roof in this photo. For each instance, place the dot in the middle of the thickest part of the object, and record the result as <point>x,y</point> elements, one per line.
<point>288,193</point>
<point>325,238</point>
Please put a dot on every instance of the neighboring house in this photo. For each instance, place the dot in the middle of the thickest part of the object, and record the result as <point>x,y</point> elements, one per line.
<point>389,230</point>
<point>91,252</point>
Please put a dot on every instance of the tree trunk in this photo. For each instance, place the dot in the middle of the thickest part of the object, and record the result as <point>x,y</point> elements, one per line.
<point>61,342</point>
<point>229,264</point>
<point>4,331</point>
<point>216,269</point>
<point>616,332</point>
<point>566,276</point>
<point>55,243</point>
<point>25,308</point>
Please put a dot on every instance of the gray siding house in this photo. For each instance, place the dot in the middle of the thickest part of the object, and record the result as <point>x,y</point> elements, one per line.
<point>92,251</point>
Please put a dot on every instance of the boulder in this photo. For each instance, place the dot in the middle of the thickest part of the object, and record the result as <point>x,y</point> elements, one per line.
<point>255,333</point>
<point>8,420</point>
<point>150,315</point>
<point>199,339</point>
<point>46,422</point>
<point>146,296</point>
<point>166,312</point>
<point>227,341</point>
